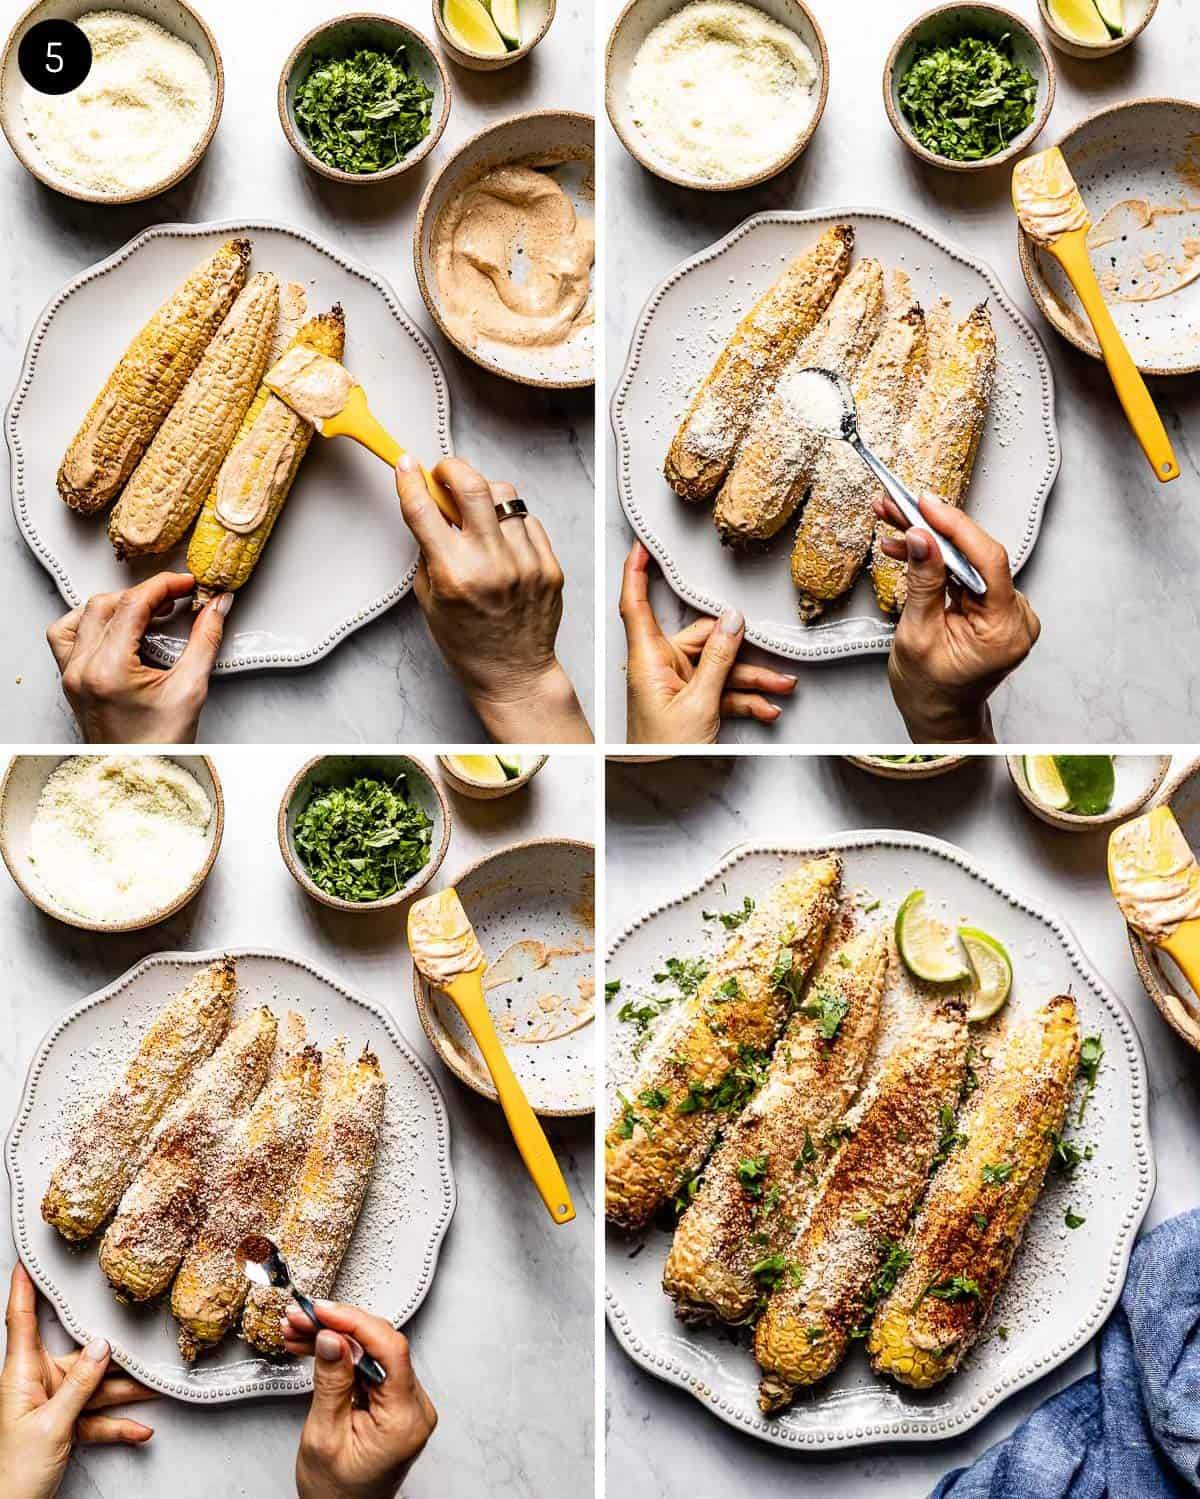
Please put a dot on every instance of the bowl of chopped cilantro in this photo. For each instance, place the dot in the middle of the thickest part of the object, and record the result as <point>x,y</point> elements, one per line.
<point>967,87</point>
<point>363,98</point>
<point>363,832</point>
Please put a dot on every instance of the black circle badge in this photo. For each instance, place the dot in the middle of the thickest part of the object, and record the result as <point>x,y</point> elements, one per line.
<point>54,57</point>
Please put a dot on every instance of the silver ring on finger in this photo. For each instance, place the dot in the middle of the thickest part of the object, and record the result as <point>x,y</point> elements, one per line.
<point>506,509</point>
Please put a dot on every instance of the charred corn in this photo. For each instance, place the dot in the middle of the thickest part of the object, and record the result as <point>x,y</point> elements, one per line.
<point>178,468</point>
<point>962,1244</point>
<point>708,1056</point>
<point>936,451</point>
<point>775,464</point>
<point>838,522</point>
<point>762,1175</point>
<point>87,1185</point>
<point>722,409</point>
<point>209,1290</point>
<point>847,1250</point>
<point>255,478</point>
<point>328,1195</point>
<point>147,379</point>
<point>166,1202</point>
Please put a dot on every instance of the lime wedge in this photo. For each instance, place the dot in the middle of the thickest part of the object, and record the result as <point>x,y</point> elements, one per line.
<point>992,968</point>
<point>471,26</point>
<point>929,949</point>
<point>481,770</point>
<point>508,23</point>
<point>1044,782</point>
<point>511,765</point>
<point>1089,780</point>
<point>1079,19</point>
<point>1112,13</point>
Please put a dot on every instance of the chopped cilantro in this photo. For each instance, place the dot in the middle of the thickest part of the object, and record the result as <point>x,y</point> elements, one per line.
<point>969,99</point>
<point>730,920</point>
<point>653,1098</point>
<point>951,1139</point>
<point>1091,1053</point>
<point>1072,1219</point>
<point>752,1173</point>
<point>364,840</point>
<point>611,987</point>
<point>980,1221</point>
<point>957,1288</point>
<point>828,1010</point>
<point>730,989</point>
<point>993,1176</point>
<point>363,112</point>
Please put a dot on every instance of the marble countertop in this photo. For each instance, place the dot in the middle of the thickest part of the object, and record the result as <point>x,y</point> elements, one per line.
<point>665,820</point>
<point>386,682</point>
<point>504,1340</point>
<point>1115,662</point>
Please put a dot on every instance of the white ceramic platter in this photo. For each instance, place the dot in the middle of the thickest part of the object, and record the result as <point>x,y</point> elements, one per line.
<point>1063,1283</point>
<point>392,1258</point>
<point>678,336</point>
<point>527,903</point>
<point>340,554</point>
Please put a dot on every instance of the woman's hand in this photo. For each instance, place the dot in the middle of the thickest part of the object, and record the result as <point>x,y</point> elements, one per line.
<point>114,695</point>
<point>491,594</point>
<point>47,1403</point>
<point>352,1450</point>
<point>950,654</point>
<point>679,687</point>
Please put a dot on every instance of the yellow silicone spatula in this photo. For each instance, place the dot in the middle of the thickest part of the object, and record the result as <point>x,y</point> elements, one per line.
<point>1052,212</point>
<point>326,394</point>
<point>1156,880</point>
<point>445,950</point>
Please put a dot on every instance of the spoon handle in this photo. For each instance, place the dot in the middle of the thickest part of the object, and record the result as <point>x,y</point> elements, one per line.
<point>370,1369</point>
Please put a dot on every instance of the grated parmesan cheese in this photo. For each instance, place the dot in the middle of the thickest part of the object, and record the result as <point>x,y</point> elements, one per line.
<point>117,837</point>
<point>720,90</point>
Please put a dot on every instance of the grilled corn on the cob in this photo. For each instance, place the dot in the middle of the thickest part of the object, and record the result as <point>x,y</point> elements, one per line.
<point>773,468</point>
<point>706,1058</point>
<point>209,1290</point>
<point>148,377</point>
<point>165,1203</point>
<point>104,1154</point>
<point>327,1196</point>
<point>861,1208</point>
<point>255,478</point>
<point>762,1175</point>
<point>936,451</point>
<point>178,468</point>
<point>761,344</point>
<point>838,522</point>
<point>979,1202</point>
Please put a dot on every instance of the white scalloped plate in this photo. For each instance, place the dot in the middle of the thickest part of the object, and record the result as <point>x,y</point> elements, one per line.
<point>392,1258</point>
<point>677,338</point>
<point>1063,1284</point>
<point>340,554</point>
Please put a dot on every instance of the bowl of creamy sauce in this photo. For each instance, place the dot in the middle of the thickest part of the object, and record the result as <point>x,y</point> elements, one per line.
<point>141,119</point>
<point>716,94</point>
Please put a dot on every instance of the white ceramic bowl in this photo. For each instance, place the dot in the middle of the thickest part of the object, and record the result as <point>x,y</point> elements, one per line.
<point>1137,778</point>
<point>337,770</point>
<point>946,23</point>
<point>634,25</point>
<point>174,16</point>
<point>20,792</point>
<point>484,791</point>
<point>1138,15</point>
<point>535,17</point>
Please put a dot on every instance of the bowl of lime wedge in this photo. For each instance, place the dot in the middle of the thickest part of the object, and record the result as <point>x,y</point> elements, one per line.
<point>1083,793</point>
<point>486,777</point>
<point>488,34</point>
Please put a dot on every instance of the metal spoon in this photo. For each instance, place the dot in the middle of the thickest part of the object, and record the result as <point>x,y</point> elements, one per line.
<point>261,1262</point>
<point>905,501</point>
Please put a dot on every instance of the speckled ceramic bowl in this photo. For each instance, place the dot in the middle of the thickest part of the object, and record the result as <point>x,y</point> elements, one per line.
<point>20,792</point>
<point>1137,778</point>
<point>527,902</point>
<point>892,769</point>
<point>174,16</point>
<point>484,791</point>
<point>946,23</point>
<point>1138,15</point>
<point>535,17</point>
<point>337,770</point>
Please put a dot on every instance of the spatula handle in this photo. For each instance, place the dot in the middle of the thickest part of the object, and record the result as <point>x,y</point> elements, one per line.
<point>364,429</point>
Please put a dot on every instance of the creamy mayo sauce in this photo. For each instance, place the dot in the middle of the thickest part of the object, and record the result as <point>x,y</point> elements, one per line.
<point>1164,276</point>
<point>441,939</point>
<point>313,385</point>
<point>257,467</point>
<point>1154,874</point>
<point>1047,201</point>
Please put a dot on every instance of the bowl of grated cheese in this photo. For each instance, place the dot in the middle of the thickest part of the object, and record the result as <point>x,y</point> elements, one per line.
<point>110,843</point>
<point>142,118</point>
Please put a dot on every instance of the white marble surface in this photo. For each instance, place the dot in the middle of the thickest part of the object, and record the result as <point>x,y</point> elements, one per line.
<point>668,823</point>
<point>504,1339</point>
<point>386,682</point>
<point>1115,662</point>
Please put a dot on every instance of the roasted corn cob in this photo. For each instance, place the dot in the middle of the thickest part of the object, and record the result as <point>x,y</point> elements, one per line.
<point>773,468</point>
<point>708,1055</point>
<point>979,1202</point>
<point>761,1178</point>
<point>147,379</point>
<point>178,468</point>
<point>248,1199</point>
<point>936,451</point>
<point>255,478</point>
<point>838,521</point>
<point>105,1151</point>
<point>328,1195</point>
<point>167,1199</point>
<point>861,1209</point>
<point>761,344</point>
